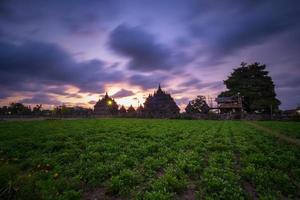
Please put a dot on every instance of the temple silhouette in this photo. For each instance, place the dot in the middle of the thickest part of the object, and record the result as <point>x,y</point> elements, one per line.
<point>106,106</point>
<point>158,104</point>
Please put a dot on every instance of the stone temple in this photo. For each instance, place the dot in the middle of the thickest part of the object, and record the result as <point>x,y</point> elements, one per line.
<point>106,106</point>
<point>160,104</point>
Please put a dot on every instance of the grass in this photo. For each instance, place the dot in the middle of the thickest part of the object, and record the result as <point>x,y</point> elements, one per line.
<point>147,159</point>
<point>291,129</point>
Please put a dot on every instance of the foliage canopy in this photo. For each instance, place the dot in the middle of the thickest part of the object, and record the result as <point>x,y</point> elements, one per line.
<point>255,86</point>
<point>197,105</point>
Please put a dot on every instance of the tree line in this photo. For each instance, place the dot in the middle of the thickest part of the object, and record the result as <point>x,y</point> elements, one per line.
<point>37,110</point>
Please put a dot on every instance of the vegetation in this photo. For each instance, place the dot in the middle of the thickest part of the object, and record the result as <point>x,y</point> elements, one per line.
<point>256,87</point>
<point>288,128</point>
<point>197,105</point>
<point>65,111</point>
<point>15,109</point>
<point>145,159</point>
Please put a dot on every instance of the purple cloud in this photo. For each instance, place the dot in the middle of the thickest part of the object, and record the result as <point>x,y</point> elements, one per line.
<point>32,66</point>
<point>145,53</point>
<point>123,93</point>
<point>41,98</point>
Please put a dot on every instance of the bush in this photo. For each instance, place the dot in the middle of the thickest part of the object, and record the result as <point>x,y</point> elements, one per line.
<point>157,195</point>
<point>124,182</point>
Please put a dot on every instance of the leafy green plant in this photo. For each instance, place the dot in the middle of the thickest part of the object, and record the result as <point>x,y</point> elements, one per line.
<point>146,159</point>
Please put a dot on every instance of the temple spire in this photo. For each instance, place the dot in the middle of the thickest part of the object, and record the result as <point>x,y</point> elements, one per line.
<point>159,88</point>
<point>160,104</point>
<point>106,106</point>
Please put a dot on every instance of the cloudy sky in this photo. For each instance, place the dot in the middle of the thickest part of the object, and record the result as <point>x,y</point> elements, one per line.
<point>72,51</point>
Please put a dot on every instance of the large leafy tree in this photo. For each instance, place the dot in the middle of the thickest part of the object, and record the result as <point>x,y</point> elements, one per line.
<point>255,86</point>
<point>197,105</point>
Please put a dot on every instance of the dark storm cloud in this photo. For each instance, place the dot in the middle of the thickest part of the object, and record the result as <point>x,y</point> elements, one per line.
<point>291,96</point>
<point>288,88</point>
<point>191,82</point>
<point>177,91</point>
<point>4,94</point>
<point>123,93</point>
<point>57,90</point>
<point>263,31</point>
<point>32,65</point>
<point>148,81</point>
<point>174,37</point>
<point>198,84</point>
<point>288,80</point>
<point>145,53</point>
<point>215,85</point>
<point>41,98</point>
<point>228,26</point>
<point>77,16</point>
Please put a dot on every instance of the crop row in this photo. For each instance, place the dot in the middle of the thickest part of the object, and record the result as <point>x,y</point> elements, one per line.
<point>145,159</point>
<point>291,129</point>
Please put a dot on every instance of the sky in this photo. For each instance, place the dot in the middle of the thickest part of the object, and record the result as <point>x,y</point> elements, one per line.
<point>73,51</point>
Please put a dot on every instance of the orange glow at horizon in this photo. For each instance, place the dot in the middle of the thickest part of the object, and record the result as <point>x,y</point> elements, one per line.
<point>135,100</point>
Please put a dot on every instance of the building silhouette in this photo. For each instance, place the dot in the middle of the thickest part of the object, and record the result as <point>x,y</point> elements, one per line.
<point>231,104</point>
<point>106,106</point>
<point>160,104</point>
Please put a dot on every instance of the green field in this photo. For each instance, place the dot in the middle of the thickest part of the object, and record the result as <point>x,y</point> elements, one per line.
<point>290,129</point>
<point>148,159</point>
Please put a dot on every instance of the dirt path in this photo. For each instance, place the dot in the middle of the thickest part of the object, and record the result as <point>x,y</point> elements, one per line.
<point>189,193</point>
<point>276,134</point>
<point>99,193</point>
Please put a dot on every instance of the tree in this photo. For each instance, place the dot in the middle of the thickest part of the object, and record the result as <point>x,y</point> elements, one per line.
<point>255,86</point>
<point>64,110</point>
<point>197,105</point>
<point>4,110</point>
<point>19,109</point>
<point>78,110</point>
<point>37,109</point>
